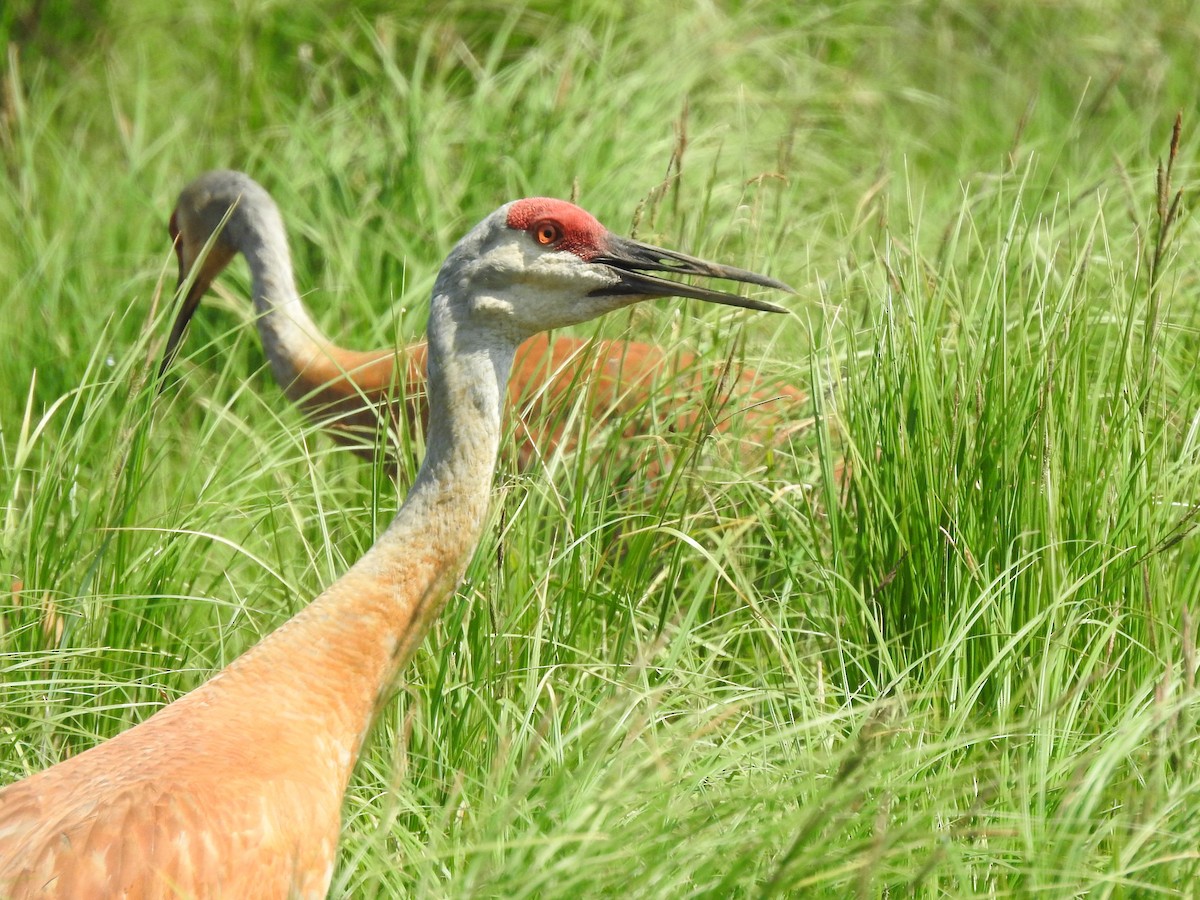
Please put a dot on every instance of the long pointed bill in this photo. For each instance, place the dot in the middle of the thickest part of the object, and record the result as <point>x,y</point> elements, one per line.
<point>202,269</point>
<point>631,260</point>
<point>190,304</point>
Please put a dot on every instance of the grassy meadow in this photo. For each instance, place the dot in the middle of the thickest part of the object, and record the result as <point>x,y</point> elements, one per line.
<point>940,642</point>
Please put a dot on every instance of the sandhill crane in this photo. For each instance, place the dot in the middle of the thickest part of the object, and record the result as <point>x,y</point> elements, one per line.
<point>235,789</point>
<point>346,391</point>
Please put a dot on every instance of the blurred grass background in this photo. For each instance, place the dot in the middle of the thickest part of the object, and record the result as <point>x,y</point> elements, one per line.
<point>967,669</point>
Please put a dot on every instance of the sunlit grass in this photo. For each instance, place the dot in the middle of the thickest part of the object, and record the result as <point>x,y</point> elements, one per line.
<point>940,641</point>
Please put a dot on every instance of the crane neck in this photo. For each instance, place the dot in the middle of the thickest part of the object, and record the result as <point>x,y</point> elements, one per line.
<point>423,554</point>
<point>289,335</point>
<point>344,650</point>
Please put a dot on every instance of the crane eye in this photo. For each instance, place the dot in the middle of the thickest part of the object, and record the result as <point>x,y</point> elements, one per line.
<point>547,232</point>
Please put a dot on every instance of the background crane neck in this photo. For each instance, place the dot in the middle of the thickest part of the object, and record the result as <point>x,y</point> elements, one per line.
<point>290,337</point>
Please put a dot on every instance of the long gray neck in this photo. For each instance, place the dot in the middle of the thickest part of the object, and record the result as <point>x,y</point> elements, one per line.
<point>447,504</point>
<point>343,651</point>
<point>467,377</point>
<point>290,336</point>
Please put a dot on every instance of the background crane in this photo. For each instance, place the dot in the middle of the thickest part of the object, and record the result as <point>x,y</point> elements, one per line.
<point>347,391</point>
<point>235,789</point>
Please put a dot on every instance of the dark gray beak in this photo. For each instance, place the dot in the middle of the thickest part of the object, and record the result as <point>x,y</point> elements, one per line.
<point>631,260</point>
<point>190,303</point>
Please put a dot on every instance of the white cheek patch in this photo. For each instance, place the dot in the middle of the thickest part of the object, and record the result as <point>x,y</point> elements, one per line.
<point>489,304</point>
<point>535,289</point>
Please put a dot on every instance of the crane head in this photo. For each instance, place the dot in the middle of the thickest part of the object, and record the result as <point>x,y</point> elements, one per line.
<point>207,232</point>
<point>541,263</point>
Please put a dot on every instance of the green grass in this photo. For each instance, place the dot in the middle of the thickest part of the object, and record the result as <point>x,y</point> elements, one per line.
<point>969,668</point>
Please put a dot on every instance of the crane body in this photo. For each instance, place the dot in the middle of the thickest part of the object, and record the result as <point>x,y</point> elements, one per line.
<point>235,789</point>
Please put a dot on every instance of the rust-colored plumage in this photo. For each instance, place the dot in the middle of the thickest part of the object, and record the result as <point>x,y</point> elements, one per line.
<point>632,382</point>
<point>348,392</point>
<point>235,789</point>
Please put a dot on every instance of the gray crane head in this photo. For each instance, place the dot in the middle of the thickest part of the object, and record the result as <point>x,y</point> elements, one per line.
<point>540,263</point>
<point>217,216</point>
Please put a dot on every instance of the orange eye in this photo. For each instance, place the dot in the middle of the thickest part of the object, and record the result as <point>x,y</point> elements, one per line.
<point>547,232</point>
